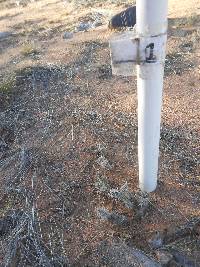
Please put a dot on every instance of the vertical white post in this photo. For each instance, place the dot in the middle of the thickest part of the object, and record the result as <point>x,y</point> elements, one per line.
<point>151,21</point>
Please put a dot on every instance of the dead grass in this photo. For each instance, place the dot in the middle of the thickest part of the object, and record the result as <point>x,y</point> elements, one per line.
<point>29,49</point>
<point>75,138</point>
<point>81,149</point>
<point>89,3</point>
<point>191,21</point>
<point>6,86</point>
<point>177,63</point>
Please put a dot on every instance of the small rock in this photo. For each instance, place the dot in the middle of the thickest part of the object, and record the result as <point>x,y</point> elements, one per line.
<point>181,259</point>
<point>181,33</point>
<point>83,26</point>
<point>5,34</point>
<point>97,24</point>
<point>156,241</point>
<point>142,204</point>
<point>100,149</point>
<point>3,146</point>
<point>164,257</point>
<point>112,217</point>
<point>187,47</point>
<point>94,117</point>
<point>104,163</point>
<point>102,184</point>
<point>68,35</point>
<point>124,195</point>
<point>120,255</point>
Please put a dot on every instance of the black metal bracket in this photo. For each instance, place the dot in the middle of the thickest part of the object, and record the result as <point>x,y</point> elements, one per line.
<point>149,51</point>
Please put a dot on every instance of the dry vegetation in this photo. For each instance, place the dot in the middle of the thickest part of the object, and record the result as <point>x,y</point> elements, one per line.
<point>68,141</point>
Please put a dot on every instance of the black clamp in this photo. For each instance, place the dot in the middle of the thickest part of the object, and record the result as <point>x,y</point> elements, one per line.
<point>149,51</point>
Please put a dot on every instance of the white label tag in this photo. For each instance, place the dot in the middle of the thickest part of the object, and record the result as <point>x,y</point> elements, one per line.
<point>123,54</point>
<point>129,50</point>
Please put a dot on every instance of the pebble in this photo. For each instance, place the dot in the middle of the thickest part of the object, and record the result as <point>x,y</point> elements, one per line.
<point>102,185</point>
<point>68,35</point>
<point>181,33</point>
<point>156,241</point>
<point>5,34</point>
<point>164,257</point>
<point>83,26</point>
<point>112,217</point>
<point>104,163</point>
<point>123,195</point>
<point>118,254</point>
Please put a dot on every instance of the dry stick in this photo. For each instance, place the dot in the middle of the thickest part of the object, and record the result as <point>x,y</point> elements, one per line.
<point>29,251</point>
<point>39,224</point>
<point>62,234</point>
<point>51,247</point>
<point>50,236</point>
<point>14,238</point>
<point>37,242</point>
<point>32,222</point>
<point>33,204</point>
<point>72,132</point>
<point>52,190</point>
<point>41,253</point>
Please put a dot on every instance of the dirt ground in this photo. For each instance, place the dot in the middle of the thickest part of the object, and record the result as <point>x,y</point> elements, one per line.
<point>68,134</point>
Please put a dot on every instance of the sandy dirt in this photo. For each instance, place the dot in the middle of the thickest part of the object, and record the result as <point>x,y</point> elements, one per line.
<point>67,125</point>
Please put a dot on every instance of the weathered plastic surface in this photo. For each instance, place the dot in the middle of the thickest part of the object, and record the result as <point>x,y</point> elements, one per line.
<point>123,54</point>
<point>129,50</point>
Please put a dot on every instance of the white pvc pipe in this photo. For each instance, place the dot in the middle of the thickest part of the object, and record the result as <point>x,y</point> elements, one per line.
<point>151,21</point>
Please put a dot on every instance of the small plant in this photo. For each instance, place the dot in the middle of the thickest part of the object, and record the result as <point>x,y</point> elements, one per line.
<point>24,72</point>
<point>193,20</point>
<point>7,84</point>
<point>29,49</point>
<point>102,185</point>
<point>113,217</point>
